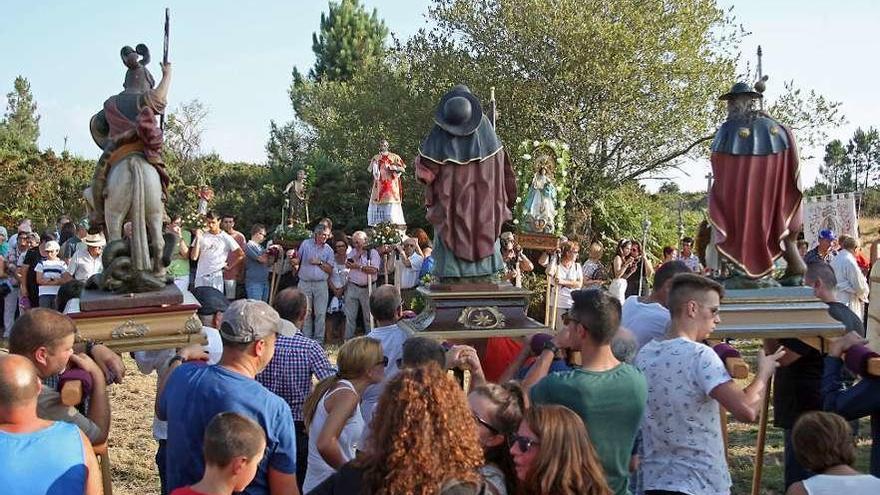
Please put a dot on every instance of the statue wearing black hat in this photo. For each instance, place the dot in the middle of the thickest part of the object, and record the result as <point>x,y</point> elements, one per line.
<point>470,188</point>
<point>755,200</point>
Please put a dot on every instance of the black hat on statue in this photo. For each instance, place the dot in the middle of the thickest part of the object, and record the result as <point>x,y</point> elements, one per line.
<point>459,112</point>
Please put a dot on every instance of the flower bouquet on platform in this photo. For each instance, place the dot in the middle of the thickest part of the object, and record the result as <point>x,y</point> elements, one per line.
<point>290,237</point>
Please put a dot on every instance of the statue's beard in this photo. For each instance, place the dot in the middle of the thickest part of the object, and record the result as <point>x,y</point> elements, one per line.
<point>739,108</point>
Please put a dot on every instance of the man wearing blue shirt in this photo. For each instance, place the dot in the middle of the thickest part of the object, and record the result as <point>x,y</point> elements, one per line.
<point>192,394</point>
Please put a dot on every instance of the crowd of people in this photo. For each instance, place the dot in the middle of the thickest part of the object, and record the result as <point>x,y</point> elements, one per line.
<point>624,397</point>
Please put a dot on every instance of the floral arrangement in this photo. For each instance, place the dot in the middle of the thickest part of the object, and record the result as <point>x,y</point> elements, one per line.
<point>192,221</point>
<point>385,233</point>
<point>292,234</point>
<point>529,152</point>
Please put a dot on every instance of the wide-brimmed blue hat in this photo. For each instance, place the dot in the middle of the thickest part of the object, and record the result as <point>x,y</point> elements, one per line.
<point>740,89</point>
<point>459,112</point>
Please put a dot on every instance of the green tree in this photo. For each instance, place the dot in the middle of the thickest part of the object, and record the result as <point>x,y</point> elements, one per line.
<point>863,153</point>
<point>21,124</point>
<point>835,173</point>
<point>349,38</point>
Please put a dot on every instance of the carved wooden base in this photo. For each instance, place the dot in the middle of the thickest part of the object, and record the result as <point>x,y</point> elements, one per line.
<point>98,300</point>
<point>143,328</point>
<point>542,242</point>
<point>474,314</point>
<point>774,313</point>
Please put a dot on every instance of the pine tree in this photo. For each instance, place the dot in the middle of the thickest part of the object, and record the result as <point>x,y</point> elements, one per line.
<point>21,124</point>
<point>349,38</point>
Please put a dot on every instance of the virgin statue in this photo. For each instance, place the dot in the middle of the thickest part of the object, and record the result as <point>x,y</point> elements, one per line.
<point>540,203</point>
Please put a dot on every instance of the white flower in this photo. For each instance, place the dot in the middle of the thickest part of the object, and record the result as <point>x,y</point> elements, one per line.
<point>516,221</point>
<point>564,173</point>
<point>562,204</point>
<point>527,157</point>
<point>518,199</point>
<point>565,146</point>
<point>524,143</point>
<point>559,160</point>
<point>536,143</point>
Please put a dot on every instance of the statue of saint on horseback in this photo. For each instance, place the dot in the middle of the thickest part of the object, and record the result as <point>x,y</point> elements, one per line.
<point>130,181</point>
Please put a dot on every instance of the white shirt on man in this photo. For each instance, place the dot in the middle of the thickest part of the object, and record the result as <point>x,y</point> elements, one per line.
<point>683,450</point>
<point>852,286</point>
<point>83,265</point>
<point>213,251</point>
<point>647,321</point>
<point>409,276</point>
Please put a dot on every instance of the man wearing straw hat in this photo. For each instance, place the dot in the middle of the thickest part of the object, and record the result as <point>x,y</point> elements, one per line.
<point>86,262</point>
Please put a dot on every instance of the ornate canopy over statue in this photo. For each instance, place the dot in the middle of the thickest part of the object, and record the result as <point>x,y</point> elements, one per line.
<point>755,201</point>
<point>470,188</point>
<point>385,196</point>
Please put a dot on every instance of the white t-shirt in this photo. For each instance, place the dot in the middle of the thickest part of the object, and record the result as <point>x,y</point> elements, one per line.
<point>681,432</point>
<point>409,277</point>
<point>570,274</point>
<point>213,251</point>
<point>51,270</point>
<point>82,266</point>
<point>645,321</point>
<point>826,484</point>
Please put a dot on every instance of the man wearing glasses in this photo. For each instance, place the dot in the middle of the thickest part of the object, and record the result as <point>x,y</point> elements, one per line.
<point>607,394</point>
<point>683,451</point>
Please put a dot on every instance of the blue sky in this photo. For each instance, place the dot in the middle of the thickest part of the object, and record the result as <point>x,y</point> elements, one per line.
<point>237,57</point>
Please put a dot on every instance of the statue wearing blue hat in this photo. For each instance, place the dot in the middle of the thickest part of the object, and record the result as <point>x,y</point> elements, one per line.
<point>470,188</point>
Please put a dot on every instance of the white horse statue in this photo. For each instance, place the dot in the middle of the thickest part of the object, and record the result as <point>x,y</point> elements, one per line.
<point>134,193</point>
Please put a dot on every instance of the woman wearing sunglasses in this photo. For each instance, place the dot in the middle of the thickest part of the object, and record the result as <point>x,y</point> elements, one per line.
<point>552,454</point>
<point>332,411</point>
<point>497,411</point>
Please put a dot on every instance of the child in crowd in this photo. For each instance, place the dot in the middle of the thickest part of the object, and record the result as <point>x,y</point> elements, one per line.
<point>823,444</point>
<point>49,273</point>
<point>233,449</point>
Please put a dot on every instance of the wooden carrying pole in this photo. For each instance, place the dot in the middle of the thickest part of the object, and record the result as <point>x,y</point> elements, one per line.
<point>555,304</point>
<point>762,438</point>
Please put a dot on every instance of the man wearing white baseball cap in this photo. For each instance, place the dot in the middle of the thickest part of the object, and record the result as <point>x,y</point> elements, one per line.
<point>191,394</point>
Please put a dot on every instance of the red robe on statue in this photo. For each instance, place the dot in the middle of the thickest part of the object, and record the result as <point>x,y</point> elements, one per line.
<point>754,203</point>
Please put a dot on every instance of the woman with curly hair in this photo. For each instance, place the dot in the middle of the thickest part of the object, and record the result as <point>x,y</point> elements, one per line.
<point>552,454</point>
<point>422,442</point>
<point>332,411</point>
<point>497,411</point>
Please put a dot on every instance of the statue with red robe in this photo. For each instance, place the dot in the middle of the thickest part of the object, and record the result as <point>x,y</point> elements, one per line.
<point>755,200</point>
<point>385,196</point>
<point>470,188</point>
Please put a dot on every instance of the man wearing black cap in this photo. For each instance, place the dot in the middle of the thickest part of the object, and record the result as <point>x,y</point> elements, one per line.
<point>192,394</point>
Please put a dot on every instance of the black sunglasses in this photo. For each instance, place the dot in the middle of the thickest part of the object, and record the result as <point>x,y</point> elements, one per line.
<point>383,362</point>
<point>522,443</point>
<point>486,424</point>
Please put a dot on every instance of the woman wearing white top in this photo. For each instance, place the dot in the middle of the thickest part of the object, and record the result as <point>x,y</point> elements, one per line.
<point>622,267</point>
<point>823,444</point>
<point>568,275</point>
<point>332,411</point>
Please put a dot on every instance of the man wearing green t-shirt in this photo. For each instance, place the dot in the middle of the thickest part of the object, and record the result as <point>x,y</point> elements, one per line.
<point>608,395</point>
